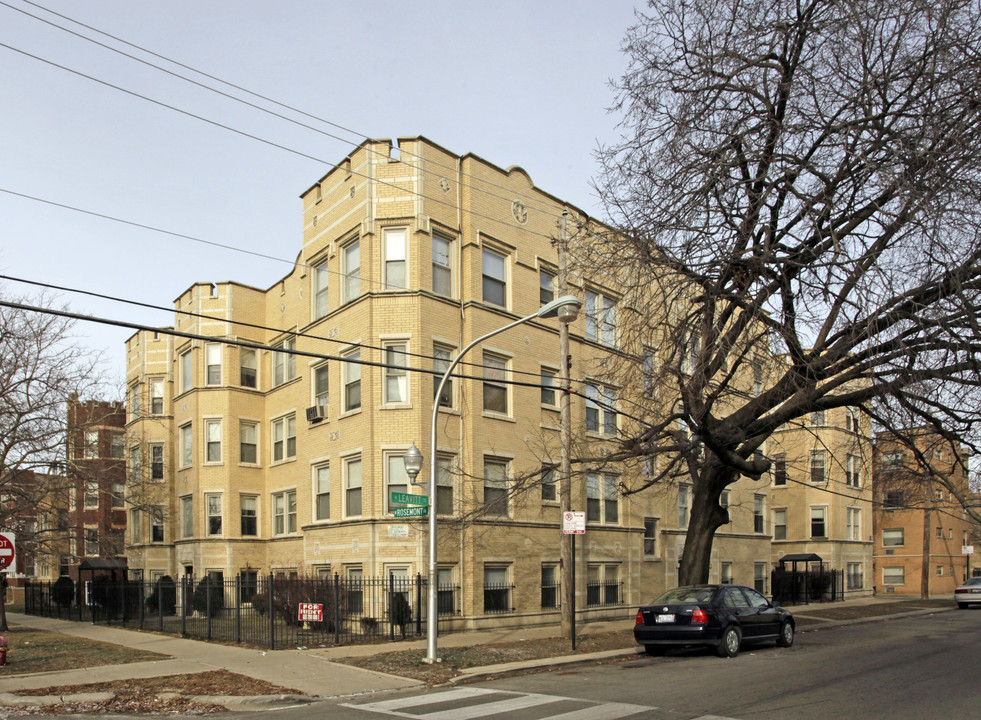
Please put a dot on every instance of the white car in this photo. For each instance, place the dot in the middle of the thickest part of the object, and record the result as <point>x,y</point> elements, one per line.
<point>969,592</point>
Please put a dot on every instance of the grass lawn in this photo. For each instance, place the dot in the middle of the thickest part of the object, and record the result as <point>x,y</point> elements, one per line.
<point>32,650</point>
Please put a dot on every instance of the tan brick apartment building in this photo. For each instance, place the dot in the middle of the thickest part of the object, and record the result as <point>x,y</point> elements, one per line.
<point>255,461</point>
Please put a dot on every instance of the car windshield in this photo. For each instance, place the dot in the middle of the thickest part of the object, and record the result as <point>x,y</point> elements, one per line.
<point>685,595</point>
<point>973,581</point>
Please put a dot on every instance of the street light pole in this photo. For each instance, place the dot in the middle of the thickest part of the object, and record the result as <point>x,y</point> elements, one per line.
<point>566,309</point>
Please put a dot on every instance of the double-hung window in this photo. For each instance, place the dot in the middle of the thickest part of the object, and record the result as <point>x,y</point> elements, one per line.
<point>248,442</point>
<point>546,286</point>
<point>780,524</point>
<point>396,379</point>
<point>852,472</point>
<point>187,445</point>
<point>817,466</point>
<point>852,419</point>
<point>247,367</point>
<point>444,486</point>
<point>494,277</point>
<point>352,487</point>
<point>893,537</point>
<point>320,279</point>
<point>352,381</point>
<point>550,385</point>
<point>442,357</point>
<point>186,369</point>
<point>650,537</point>
<point>759,504</point>
<point>284,512</point>
<point>212,364</point>
<point>780,469</point>
<point>601,499</point>
<point>321,492</point>
<point>351,269</point>
<point>156,524</point>
<point>284,438</point>
<point>495,487</point>
<point>495,388</point>
<point>396,480</point>
<point>187,517</point>
<point>442,266</point>
<point>601,318</point>
<point>156,396</point>
<point>134,401</point>
<point>684,500</point>
<point>394,243</point>
<point>853,518</point>
<point>156,461</point>
<point>248,510</point>
<point>135,465</point>
<point>321,388</point>
<point>284,362</point>
<point>212,441</point>
<point>601,414</point>
<point>819,522</point>
<point>213,504</point>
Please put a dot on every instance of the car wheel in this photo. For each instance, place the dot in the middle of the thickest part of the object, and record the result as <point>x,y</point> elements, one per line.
<point>653,650</point>
<point>729,644</point>
<point>786,638</point>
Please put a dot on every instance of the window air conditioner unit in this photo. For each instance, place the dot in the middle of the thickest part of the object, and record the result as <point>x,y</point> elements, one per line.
<point>890,551</point>
<point>316,413</point>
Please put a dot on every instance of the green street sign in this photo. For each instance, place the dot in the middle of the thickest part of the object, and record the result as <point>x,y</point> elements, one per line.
<point>407,499</point>
<point>412,512</point>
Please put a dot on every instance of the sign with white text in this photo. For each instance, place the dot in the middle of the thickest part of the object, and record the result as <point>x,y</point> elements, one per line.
<point>7,550</point>
<point>311,612</point>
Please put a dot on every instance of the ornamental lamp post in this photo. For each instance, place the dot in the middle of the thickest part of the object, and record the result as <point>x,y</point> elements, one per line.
<point>566,309</point>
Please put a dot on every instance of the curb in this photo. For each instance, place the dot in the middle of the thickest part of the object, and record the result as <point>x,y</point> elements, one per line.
<point>242,703</point>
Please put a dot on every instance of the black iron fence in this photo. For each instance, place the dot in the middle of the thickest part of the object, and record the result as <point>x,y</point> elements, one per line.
<point>815,584</point>
<point>273,612</point>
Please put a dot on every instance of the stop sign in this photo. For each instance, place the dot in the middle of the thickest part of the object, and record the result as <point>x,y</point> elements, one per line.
<point>6,550</point>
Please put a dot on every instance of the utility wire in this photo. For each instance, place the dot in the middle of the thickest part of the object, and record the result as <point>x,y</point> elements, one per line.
<point>264,98</point>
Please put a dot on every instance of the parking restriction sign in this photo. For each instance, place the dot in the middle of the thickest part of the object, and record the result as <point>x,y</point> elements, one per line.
<point>574,523</point>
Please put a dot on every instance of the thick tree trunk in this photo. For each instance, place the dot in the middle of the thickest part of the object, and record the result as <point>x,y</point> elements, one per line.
<point>707,516</point>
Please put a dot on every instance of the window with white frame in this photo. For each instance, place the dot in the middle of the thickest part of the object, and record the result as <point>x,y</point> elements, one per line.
<point>725,575</point>
<point>689,348</point>
<point>602,503</point>
<point>550,384</point>
<point>853,519</point>
<point>852,419</point>
<point>497,589</point>
<point>550,586</point>
<point>321,387</point>
<point>247,367</point>
<point>442,357</point>
<point>90,498</point>
<point>135,534</point>
<point>92,542</point>
<point>394,249</point>
<point>819,522</point>
<point>649,372</point>
<point>757,367</point>
<point>495,486</point>
<point>855,577</point>
<point>284,438</point>
<point>817,466</point>
<point>284,512</point>
<point>212,364</point>
<point>284,362</point>
<point>442,266</point>
<point>495,387</point>
<point>396,380</point>
<point>187,517</point>
<point>156,396</point>
<point>893,576</point>
<point>546,285</point>
<point>444,486</point>
<point>212,441</point>
<point>352,381</point>
<point>248,515</point>
<point>186,369</point>
<point>494,277</point>
<point>684,501</point>
<point>548,485</point>
<point>602,584</point>
<point>759,510</point>
<point>601,416</point>
<point>817,418</point>
<point>212,504</point>
<point>187,445</point>
<point>601,318</point>
<point>780,524</point>
<point>117,444</point>
<point>248,442</point>
<point>321,492</point>
<point>852,470</point>
<point>135,465</point>
<point>321,284</point>
<point>117,494</point>
<point>352,487</point>
<point>396,480</point>
<point>650,537</point>
<point>351,269</point>
<point>134,401</point>
<point>893,537</point>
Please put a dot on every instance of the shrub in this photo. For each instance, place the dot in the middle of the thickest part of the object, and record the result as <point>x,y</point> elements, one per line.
<point>209,597</point>
<point>163,597</point>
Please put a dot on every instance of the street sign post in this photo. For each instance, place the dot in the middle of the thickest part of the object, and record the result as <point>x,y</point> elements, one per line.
<point>400,498</point>
<point>411,512</point>
<point>7,550</point>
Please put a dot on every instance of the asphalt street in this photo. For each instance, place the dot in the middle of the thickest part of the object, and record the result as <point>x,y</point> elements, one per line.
<point>906,669</point>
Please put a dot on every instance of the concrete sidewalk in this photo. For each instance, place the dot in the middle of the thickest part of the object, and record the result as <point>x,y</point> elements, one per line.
<point>315,673</point>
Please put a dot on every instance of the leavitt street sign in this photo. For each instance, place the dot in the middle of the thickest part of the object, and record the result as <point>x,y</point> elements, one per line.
<point>399,498</point>
<point>412,511</point>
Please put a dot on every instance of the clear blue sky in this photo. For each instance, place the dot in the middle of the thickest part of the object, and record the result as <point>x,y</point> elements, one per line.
<point>518,83</point>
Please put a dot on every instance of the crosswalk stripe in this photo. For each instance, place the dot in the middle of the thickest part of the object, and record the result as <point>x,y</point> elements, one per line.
<point>402,703</point>
<point>492,708</point>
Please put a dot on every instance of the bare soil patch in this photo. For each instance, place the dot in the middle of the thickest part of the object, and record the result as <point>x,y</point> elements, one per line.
<point>32,650</point>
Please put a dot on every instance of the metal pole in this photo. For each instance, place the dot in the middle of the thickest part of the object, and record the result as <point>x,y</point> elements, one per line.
<point>567,545</point>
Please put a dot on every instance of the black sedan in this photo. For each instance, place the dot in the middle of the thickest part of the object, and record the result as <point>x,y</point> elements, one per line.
<point>719,616</point>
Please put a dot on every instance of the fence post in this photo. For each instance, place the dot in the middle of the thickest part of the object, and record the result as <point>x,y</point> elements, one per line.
<point>184,583</point>
<point>272,620</point>
<point>337,610</point>
<point>160,605</point>
<point>419,603</point>
<point>238,608</point>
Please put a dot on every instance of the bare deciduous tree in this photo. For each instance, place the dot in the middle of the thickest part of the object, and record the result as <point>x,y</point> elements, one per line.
<point>797,198</point>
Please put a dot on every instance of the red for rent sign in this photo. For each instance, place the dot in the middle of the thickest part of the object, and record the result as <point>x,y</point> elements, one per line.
<point>311,612</point>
